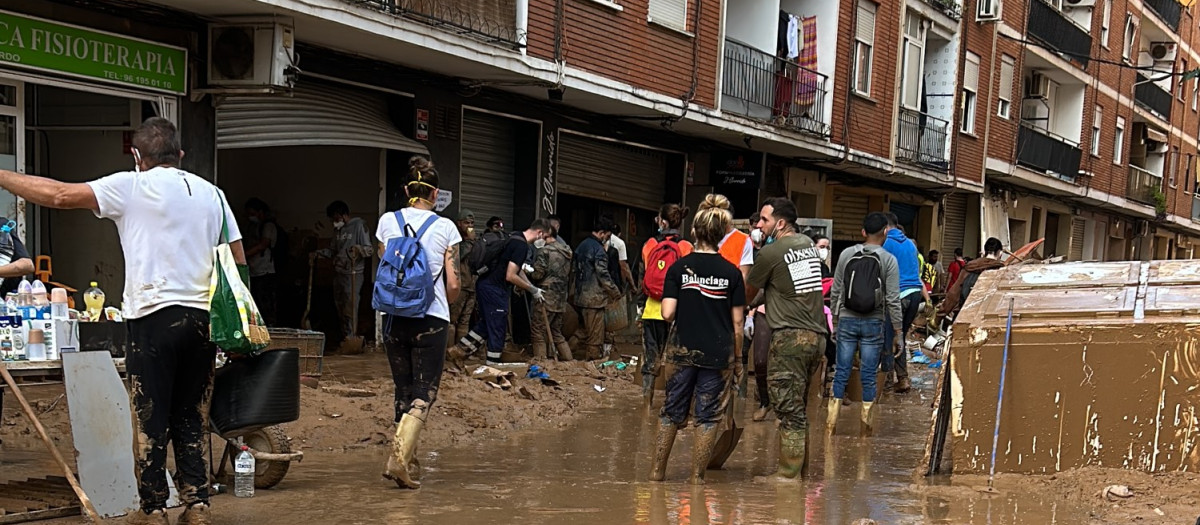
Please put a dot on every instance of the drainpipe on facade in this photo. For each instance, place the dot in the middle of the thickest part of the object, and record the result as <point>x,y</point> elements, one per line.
<point>523,25</point>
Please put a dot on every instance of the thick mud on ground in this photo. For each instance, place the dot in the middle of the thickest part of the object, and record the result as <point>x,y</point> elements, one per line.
<point>587,462</point>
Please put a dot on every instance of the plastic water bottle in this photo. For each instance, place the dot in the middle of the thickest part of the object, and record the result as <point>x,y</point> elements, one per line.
<point>243,474</point>
<point>93,298</point>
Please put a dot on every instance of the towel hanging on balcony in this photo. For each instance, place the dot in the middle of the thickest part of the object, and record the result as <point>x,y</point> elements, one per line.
<point>807,81</point>
<point>793,38</point>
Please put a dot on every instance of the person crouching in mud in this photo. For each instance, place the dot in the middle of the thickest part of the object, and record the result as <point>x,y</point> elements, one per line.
<point>705,296</point>
<point>416,346</point>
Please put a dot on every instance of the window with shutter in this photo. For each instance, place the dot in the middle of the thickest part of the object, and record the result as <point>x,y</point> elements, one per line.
<point>670,13</point>
<point>1007,65</point>
<point>970,93</point>
<point>864,35</point>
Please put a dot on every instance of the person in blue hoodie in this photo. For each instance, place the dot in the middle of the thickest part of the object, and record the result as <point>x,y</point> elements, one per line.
<point>912,293</point>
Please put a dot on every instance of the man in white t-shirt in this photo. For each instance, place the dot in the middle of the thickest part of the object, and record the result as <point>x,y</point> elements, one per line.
<point>622,257</point>
<point>170,359</point>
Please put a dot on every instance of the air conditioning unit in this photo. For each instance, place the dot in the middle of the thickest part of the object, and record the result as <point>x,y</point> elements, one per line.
<point>1038,87</point>
<point>252,54</point>
<point>1078,4</point>
<point>1157,147</point>
<point>1163,51</point>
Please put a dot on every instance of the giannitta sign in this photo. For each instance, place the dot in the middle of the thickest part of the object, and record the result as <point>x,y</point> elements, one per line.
<point>34,43</point>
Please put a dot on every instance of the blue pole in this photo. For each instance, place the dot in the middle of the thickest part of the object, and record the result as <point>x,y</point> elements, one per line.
<point>1000,397</point>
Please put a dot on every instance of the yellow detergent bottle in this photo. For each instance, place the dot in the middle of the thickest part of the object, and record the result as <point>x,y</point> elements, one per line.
<point>94,299</point>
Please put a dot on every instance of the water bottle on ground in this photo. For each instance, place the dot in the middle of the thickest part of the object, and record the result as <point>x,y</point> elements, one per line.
<point>243,474</point>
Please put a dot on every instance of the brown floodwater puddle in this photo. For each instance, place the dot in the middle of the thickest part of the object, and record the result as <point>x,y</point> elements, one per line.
<point>596,473</point>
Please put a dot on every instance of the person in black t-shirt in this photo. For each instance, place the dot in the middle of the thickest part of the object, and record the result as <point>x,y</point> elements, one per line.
<point>492,290</point>
<point>704,294</point>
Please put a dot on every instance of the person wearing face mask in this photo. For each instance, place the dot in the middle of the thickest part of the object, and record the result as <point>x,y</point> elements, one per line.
<point>551,272</point>
<point>659,253</point>
<point>594,287</point>
<point>760,333</point>
<point>261,239</point>
<point>788,270</point>
<point>492,292</point>
<point>350,248</point>
<point>822,243</point>
<point>463,307</point>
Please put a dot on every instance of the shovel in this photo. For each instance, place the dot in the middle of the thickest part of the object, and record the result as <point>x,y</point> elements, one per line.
<point>731,433</point>
<point>352,344</point>
<point>304,322</point>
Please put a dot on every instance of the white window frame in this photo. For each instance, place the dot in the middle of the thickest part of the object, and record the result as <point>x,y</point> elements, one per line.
<point>1097,124</point>
<point>1119,141</point>
<point>917,42</point>
<point>1173,166</point>
<point>1131,25</point>
<point>861,83</point>
<point>1008,66</point>
<point>665,7</point>
<point>988,10</point>
<point>1195,92</point>
<point>969,104</point>
<point>1105,23</point>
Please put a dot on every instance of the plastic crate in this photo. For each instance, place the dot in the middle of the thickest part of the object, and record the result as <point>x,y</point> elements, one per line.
<point>311,345</point>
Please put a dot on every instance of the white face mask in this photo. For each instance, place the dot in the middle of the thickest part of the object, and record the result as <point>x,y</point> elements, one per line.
<point>756,236</point>
<point>823,252</point>
<point>338,225</point>
<point>539,244</point>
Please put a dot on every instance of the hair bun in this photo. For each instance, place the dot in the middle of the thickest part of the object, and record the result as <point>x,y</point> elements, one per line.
<point>419,163</point>
<point>685,211</point>
<point>714,200</point>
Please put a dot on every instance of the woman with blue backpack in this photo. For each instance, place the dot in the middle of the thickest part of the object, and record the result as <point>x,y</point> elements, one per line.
<point>414,285</point>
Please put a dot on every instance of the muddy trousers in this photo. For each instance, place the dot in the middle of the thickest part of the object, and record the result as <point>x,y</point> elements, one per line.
<point>170,368</point>
<point>794,356</point>
<point>345,296</point>
<point>703,391</point>
<point>592,336</point>
<point>654,339</point>
<point>416,352</point>
<point>492,325</point>
<point>895,356</point>
<point>761,345</point>
<point>461,312</point>
<point>547,342</point>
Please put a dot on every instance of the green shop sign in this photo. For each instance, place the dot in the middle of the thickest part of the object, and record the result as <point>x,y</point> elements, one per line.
<point>35,43</point>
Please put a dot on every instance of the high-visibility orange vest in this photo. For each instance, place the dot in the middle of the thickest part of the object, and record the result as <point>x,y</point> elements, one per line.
<point>732,248</point>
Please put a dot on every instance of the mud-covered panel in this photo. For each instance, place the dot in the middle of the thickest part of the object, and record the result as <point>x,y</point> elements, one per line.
<point>1071,275</point>
<point>1174,272</point>
<point>1073,303</point>
<point>1173,300</point>
<point>1120,396</point>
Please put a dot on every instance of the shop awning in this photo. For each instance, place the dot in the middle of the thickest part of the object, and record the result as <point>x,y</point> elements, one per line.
<point>313,115</point>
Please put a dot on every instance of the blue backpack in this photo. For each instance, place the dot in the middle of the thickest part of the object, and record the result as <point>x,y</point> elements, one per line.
<point>404,285</point>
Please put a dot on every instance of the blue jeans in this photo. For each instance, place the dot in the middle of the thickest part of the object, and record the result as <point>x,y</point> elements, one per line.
<point>866,336</point>
<point>704,391</point>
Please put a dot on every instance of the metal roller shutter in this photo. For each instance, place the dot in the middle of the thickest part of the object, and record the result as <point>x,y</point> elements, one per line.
<point>313,115</point>
<point>488,167</point>
<point>611,171</point>
<point>849,210</point>
<point>954,222</point>
<point>1078,236</point>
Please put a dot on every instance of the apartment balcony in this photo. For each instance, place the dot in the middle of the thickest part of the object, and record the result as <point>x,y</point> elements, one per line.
<point>1047,153</point>
<point>1052,27</point>
<point>1167,10</point>
<point>1143,186</point>
<point>922,139</point>
<point>493,21</point>
<point>768,88</point>
<point>1152,96</point>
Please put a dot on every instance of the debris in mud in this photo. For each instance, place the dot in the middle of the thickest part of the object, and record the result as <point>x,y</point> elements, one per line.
<point>599,388</point>
<point>1115,491</point>
<point>346,391</point>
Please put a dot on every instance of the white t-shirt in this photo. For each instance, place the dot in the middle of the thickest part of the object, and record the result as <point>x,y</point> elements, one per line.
<point>440,236</point>
<point>169,222</point>
<point>747,249</point>
<point>619,244</point>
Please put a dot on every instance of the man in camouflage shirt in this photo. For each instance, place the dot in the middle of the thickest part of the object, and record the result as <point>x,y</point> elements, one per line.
<point>462,309</point>
<point>551,273</point>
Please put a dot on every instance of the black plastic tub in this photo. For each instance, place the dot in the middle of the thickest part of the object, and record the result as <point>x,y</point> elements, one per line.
<point>256,392</point>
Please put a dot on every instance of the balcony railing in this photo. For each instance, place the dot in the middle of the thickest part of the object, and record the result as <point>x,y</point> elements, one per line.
<point>493,21</point>
<point>1044,152</point>
<point>1152,96</point>
<point>950,8</point>
<point>1167,10</point>
<point>1143,186</point>
<point>765,87</point>
<point>1051,26</point>
<point>922,139</point>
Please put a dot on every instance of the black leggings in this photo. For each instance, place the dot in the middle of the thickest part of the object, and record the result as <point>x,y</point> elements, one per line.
<point>416,351</point>
<point>170,367</point>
